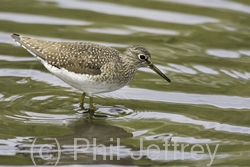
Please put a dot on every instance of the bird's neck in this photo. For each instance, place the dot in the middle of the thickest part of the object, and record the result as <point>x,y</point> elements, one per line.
<point>128,68</point>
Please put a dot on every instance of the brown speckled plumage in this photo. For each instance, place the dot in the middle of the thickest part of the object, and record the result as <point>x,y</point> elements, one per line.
<point>89,67</point>
<point>78,57</point>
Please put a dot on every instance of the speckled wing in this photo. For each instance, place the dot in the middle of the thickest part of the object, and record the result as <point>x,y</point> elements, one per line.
<point>78,57</point>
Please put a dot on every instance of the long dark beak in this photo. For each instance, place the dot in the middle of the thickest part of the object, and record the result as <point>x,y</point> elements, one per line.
<point>153,67</point>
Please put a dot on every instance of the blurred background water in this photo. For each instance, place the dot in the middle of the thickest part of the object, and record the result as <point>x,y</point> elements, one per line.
<point>201,45</point>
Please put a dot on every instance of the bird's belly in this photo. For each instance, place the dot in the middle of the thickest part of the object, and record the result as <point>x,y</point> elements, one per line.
<point>83,82</point>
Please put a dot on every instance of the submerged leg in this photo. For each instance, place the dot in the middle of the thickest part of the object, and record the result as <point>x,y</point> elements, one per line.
<point>82,100</point>
<point>91,105</point>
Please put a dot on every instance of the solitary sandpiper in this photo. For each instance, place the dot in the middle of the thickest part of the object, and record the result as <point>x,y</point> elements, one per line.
<point>88,67</point>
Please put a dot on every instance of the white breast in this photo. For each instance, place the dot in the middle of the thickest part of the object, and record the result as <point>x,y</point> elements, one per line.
<point>82,82</point>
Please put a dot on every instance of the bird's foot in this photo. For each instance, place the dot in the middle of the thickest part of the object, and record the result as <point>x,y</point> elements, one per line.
<point>82,106</point>
<point>91,105</point>
<point>92,108</point>
<point>86,109</point>
<point>82,101</point>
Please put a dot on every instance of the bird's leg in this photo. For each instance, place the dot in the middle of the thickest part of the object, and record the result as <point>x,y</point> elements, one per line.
<point>82,100</point>
<point>91,106</point>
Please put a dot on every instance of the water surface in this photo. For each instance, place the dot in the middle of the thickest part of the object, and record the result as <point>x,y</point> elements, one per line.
<point>201,45</point>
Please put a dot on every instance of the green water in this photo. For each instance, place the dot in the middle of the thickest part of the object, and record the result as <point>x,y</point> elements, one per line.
<point>202,46</point>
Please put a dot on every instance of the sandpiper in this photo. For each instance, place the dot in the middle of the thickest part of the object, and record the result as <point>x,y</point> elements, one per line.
<point>89,67</point>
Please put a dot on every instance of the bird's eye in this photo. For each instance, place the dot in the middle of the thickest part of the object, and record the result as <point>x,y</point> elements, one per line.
<point>142,57</point>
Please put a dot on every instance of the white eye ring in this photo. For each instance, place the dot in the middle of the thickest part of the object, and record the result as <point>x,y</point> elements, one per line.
<point>141,56</point>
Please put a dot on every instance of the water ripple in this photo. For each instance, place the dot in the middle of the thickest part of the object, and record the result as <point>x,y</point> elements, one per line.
<point>206,70</point>
<point>108,31</point>
<point>220,101</point>
<point>17,59</point>
<point>36,19</point>
<point>236,74</point>
<point>153,30</point>
<point>223,53</point>
<point>245,52</point>
<point>5,38</point>
<point>183,69</point>
<point>33,117</point>
<point>186,120</point>
<point>223,4</point>
<point>121,10</point>
<point>131,30</point>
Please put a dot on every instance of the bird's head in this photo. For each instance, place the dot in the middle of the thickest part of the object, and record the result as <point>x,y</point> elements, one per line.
<point>141,57</point>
